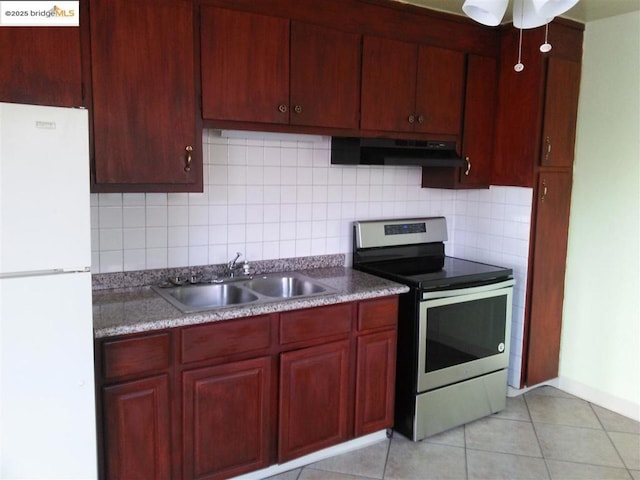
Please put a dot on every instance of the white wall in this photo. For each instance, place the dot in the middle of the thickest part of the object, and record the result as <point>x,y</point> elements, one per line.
<point>279,197</point>
<point>600,350</point>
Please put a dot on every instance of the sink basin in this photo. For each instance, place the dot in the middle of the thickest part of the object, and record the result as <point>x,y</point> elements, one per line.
<point>269,288</point>
<point>193,298</point>
<point>284,287</point>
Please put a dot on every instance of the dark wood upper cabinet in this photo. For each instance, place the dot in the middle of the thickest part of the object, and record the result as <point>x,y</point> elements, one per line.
<point>267,69</point>
<point>325,76</point>
<point>479,120</point>
<point>41,66</point>
<point>145,136</point>
<point>477,131</point>
<point>408,87</point>
<point>245,66</point>
<point>388,84</point>
<point>439,90</point>
<point>560,113</point>
<point>537,108</point>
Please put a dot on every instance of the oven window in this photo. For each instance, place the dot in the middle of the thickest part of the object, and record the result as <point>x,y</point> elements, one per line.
<point>465,331</point>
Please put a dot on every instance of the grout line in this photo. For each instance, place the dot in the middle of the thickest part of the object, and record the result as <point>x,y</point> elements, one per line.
<point>466,451</point>
<point>386,459</point>
<point>535,432</point>
<point>613,444</point>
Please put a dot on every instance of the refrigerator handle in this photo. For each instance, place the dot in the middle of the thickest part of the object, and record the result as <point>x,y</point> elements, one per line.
<point>40,273</point>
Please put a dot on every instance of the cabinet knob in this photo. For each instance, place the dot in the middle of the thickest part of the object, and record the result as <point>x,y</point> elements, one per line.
<point>412,119</point>
<point>421,119</point>
<point>544,191</point>
<point>297,109</point>
<point>466,172</point>
<point>282,107</point>
<point>187,163</point>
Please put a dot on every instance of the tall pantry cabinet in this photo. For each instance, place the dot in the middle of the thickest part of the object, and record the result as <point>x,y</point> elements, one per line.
<point>542,99</point>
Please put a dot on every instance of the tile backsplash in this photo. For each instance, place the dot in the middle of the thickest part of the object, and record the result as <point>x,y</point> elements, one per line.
<point>278,196</point>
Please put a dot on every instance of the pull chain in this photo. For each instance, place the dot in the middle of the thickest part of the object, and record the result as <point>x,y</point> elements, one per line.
<point>518,67</point>
<point>546,46</point>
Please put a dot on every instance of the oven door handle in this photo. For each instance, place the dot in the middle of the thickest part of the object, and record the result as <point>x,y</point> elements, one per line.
<point>469,290</point>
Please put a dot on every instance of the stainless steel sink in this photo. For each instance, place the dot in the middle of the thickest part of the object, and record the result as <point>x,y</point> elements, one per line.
<point>235,291</point>
<point>284,287</point>
<point>194,298</point>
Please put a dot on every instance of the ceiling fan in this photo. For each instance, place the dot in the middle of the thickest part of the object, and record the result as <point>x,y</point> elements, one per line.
<point>526,14</point>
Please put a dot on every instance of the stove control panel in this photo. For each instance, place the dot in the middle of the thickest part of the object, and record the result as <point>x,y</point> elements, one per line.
<point>405,228</point>
<point>403,231</point>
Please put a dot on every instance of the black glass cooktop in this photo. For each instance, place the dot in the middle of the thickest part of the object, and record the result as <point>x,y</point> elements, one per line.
<point>426,274</point>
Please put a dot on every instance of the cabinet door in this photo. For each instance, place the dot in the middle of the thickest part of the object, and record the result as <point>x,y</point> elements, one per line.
<point>388,84</point>
<point>439,92</point>
<point>375,382</point>
<point>137,429</point>
<point>477,132</point>
<point>227,415</point>
<point>41,66</point>
<point>143,94</point>
<point>314,385</point>
<point>560,113</point>
<point>245,66</point>
<point>325,76</point>
<point>518,114</point>
<point>547,281</point>
<point>479,120</point>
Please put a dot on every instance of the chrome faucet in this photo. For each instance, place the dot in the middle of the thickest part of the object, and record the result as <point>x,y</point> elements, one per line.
<point>231,266</point>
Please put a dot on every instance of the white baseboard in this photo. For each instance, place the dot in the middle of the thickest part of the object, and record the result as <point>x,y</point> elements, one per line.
<point>590,394</point>
<point>515,392</point>
<point>600,398</point>
<point>345,447</point>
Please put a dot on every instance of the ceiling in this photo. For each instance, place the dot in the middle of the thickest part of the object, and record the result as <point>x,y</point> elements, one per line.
<point>585,11</point>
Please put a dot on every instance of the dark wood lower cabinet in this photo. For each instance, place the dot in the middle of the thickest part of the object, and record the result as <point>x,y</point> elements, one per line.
<point>547,276</point>
<point>221,399</point>
<point>226,410</point>
<point>314,384</point>
<point>375,382</point>
<point>137,429</point>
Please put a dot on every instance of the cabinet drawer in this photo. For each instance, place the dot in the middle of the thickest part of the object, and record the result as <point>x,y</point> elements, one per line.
<point>315,323</point>
<point>378,313</point>
<point>133,356</point>
<point>230,337</point>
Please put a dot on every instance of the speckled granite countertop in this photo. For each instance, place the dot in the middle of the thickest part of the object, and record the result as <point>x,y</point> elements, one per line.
<point>132,310</point>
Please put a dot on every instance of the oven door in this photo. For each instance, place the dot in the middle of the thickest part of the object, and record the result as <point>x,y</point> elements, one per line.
<point>463,333</point>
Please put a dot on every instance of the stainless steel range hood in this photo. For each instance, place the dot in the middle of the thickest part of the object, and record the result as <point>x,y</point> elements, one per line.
<point>386,151</point>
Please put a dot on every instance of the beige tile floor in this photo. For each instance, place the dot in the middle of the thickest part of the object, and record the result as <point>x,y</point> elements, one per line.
<point>543,434</point>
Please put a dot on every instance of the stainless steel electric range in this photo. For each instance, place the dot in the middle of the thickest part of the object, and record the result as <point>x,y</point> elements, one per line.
<point>453,327</point>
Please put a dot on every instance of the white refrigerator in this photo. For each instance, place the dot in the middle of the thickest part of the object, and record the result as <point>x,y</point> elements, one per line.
<point>47,401</point>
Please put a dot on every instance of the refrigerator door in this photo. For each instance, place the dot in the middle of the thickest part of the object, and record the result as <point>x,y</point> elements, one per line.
<point>44,189</point>
<point>47,401</point>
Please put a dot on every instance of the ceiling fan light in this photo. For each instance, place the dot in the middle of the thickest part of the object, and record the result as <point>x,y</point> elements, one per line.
<point>486,12</point>
<point>553,8</point>
<point>525,15</point>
